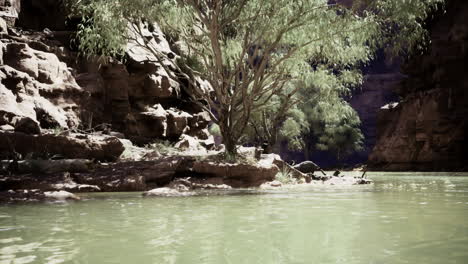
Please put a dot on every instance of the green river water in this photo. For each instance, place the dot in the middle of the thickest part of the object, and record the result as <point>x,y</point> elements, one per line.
<point>401,218</point>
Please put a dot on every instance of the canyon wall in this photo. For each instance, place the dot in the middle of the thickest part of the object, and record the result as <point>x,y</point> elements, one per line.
<point>427,129</point>
<point>380,79</point>
<point>48,86</point>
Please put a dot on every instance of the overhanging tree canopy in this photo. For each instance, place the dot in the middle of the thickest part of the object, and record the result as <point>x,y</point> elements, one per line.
<point>254,51</point>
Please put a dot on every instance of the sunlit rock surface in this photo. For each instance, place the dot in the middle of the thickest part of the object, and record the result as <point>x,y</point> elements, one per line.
<point>61,195</point>
<point>43,80</point>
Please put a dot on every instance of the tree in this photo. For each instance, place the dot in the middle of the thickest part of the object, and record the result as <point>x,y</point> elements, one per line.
<point>321,114</point>
<point>252,52</point>
<point>319,101</point>
<point>334,127</point>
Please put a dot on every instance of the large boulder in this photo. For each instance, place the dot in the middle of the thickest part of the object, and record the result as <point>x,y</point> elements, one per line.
<point>237,174</point>
<point>306,167</point>
<point>28,126</point>
<point>74,147</point>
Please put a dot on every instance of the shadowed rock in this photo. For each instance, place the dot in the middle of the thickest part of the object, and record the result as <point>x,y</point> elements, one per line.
<point>306,167</point>
<point>73,147</point>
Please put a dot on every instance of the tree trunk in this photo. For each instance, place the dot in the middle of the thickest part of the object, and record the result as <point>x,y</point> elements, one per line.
<point>229,142</point>
<point>231,149</point>
<point>270,146</point>
<point>272,140</point>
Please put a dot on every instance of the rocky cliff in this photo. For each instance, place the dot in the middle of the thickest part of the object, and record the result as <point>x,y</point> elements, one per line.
<point>376,91</point>
<point>47,87</point>
<point>427,129</point>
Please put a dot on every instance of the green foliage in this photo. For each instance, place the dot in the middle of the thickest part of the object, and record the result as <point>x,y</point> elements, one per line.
<point>190,62</point>
<point>226,157</point>
<point>332,121</point>
<point>285,176</point>
<point>164,147</point>
<point>402,23</point>
<point>293,129</point>
<point>338,130</point>
<point>98,31</point>
<point>280,66</point>
<point>214,130</point>
<point>58,130</point>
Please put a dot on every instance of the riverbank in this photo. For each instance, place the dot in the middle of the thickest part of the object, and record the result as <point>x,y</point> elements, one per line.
<point>80,164</point>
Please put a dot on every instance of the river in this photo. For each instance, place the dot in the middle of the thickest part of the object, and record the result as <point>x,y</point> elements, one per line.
<point>401,218</point>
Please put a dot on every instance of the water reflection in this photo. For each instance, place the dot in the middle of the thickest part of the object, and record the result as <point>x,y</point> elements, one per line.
<point>396,220</point>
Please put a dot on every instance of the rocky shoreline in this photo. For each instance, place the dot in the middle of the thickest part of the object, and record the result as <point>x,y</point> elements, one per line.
<point>175,174</point>
<point>72,124</point>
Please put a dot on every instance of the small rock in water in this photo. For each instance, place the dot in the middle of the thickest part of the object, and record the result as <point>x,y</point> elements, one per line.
<point>272,184</point>
<point>346,181</point>
<point>276,184</point>
<point>210,186</point>
<point>165,191</point>
<point>181,188</point>
<point>61,195</point>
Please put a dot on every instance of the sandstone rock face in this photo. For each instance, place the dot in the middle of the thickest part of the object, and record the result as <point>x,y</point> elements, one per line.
<point>36,85</point>
<point>43,81</point>
<point>427,129</point>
